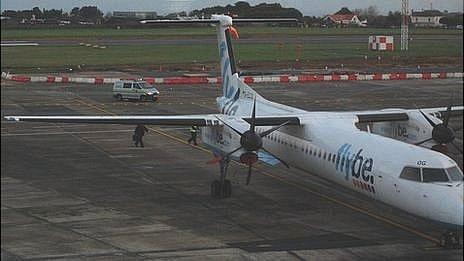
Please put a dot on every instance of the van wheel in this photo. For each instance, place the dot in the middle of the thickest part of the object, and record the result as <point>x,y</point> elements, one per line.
<point>143,98</point>
<point>119,97</point>
<point>155,98</point>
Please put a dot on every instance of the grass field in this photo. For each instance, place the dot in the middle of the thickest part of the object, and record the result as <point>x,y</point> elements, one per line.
<point>150,33</point>
<point>68,56</point>
<point>63,56</point>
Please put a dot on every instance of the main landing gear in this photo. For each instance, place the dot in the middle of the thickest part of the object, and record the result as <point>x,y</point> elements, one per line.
<point>222,188</point>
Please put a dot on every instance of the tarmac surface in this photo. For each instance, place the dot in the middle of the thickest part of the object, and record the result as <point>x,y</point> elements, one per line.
<point>78,191</point>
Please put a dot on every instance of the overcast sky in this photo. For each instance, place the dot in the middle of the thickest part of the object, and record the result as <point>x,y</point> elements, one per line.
<point>307,7</point>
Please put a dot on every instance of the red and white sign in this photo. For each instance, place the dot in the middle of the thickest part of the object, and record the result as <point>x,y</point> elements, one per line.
<point>381,43</point>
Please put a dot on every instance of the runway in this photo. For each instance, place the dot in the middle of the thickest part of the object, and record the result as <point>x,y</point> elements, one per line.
<point>247,39</point>
<point>78,191</point>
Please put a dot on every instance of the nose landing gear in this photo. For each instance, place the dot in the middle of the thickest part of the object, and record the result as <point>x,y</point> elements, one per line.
<point>222,188</point>
<point>450,240</point>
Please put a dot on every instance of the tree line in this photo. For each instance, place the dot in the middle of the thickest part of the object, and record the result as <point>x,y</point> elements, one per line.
<point>85,13</point>
<point>240,9</point>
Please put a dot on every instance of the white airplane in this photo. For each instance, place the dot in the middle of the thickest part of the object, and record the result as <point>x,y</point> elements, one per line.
<point>375,153</point>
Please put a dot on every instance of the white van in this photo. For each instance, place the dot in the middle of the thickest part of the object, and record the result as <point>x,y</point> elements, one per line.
<point>140,90</point>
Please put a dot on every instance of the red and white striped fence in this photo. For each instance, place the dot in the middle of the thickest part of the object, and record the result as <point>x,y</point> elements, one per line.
<point>247,79</point>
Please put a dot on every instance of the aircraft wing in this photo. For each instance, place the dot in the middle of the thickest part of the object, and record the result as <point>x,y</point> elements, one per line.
<point>187,120</point>
<point>402,115</point>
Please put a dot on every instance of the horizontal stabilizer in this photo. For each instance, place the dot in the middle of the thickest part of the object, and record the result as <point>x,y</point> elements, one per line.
<point>214,21</point>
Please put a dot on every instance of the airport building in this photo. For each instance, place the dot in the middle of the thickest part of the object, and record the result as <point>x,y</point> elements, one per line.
<point>135,14</point>
<point>427,18</point>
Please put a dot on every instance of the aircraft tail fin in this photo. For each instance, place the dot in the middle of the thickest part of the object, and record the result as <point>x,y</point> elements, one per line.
<point>231,82</point>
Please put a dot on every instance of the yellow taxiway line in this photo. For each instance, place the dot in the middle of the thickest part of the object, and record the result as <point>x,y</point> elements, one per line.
<point>302,187</point>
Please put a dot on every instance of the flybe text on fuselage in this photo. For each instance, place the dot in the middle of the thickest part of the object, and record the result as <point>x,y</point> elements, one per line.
<point>353,164</point>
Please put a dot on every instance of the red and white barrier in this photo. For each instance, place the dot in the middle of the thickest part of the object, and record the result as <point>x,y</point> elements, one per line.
<point>247,79</point>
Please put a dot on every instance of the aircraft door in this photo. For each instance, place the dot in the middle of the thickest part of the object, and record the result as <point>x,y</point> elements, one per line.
<point>387,186</point>
<point>408,189</point>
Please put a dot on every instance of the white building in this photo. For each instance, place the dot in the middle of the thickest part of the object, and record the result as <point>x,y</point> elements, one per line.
<point>427,18</point>
<point>344,20</point>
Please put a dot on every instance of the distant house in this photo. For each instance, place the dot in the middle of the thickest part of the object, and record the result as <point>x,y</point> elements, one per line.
<point>135,14</point>
<point>343,18</point>
<point>427,18</point>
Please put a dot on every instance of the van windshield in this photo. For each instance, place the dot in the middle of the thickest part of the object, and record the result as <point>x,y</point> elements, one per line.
<point>144,85</point>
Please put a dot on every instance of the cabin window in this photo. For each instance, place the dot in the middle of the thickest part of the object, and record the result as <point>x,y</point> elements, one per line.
<point>434,175</point>
<point>454,173</point>
<point>127,85</point>
<point>334,156</point>
<point>329,157</point>
<point>325,155</point>
<point>411,173</point>
<point>320,153</point>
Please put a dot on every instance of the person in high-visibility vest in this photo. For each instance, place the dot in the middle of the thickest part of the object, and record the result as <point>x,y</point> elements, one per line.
<point>193,135</point>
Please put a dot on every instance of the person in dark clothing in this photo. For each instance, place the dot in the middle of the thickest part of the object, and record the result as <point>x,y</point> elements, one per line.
<point>138,134</point>
<point>193,135</point>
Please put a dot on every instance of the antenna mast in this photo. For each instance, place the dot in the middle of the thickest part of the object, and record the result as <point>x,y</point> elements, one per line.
<point>404,24</point>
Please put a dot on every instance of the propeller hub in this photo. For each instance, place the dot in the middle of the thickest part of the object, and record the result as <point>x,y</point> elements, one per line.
<point>251,141</point>
<point>442,134</point>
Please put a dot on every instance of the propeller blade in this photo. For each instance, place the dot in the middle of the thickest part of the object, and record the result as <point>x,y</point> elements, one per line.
<point>218,158</point>
<point>265,133</point>
<point>228,125</point>
<point>456,146</point>
<point>253,116</point>
<point>232,152</point>
<point>424,141</point>
<point>249,175</point>
<point>279,159</point>
<point>447,116</point>
<point>428,119</point>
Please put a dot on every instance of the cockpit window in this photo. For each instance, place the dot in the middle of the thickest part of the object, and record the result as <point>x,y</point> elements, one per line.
<point>411,173</point>
<point>454,173</point>
<point>434,175</point>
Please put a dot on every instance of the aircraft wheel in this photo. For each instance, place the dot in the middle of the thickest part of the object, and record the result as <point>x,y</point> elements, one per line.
<point>227,189</point>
